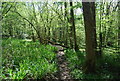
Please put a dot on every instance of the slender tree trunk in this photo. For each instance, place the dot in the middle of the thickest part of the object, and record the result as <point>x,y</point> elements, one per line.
<point>103,25</point>
<point>60,34</point>
<point>10,30</point>
<point>100,34</point>
<point>48,23</point>
<point>119,25</point>
<point>66,23</point>
<point>90,33</point>
<point>73,31</point>
<point>33,35</point>
<point>49,33</point>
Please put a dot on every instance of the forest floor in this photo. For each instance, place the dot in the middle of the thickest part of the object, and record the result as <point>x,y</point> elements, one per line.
<point>63,70</point>
<point>23,59</point>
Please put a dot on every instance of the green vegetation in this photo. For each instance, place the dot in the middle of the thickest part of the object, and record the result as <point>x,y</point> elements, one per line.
<point>23,60</point>
<point>107,66</point>
<point>86,34</point>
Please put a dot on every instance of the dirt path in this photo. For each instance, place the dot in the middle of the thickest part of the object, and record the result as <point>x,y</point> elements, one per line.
<point>64,72</point>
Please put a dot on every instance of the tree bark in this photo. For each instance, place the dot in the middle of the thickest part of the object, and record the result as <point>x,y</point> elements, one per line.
<point>118,27</point>
<point>99,54</point>
<point>73,31</point>
<point>90,33</point>
<point>66,23</point>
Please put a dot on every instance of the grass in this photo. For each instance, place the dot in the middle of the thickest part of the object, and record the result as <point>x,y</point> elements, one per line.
<point>27,60</point>
<point>107,67</point>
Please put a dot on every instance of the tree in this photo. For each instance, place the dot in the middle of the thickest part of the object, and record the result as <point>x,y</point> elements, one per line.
<point>119,23</point>
<point>66,21</point>
<point>100,33</point>
<point>90,33</point>
<point>73,31</point>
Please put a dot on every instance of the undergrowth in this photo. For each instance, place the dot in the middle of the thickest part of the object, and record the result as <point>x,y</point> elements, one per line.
<point>107,67</point>
<point>27,60</point>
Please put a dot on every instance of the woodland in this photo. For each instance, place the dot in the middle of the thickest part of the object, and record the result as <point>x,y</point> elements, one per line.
<point>60,41</point>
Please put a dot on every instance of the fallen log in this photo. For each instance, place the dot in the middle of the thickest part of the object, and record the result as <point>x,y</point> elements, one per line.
<point>54,43</point>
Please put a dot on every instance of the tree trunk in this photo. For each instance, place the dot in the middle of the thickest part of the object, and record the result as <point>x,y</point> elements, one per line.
<point>90,33</point>
<point>33,37</point>
<point>99,54</point>
<point>66,23</point>
<point>104,32</point>
<point>119,24</point>
<point>73,31</point>
<point>10,31</point>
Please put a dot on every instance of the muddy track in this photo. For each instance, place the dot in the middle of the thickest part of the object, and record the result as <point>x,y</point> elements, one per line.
<point>64,71</point>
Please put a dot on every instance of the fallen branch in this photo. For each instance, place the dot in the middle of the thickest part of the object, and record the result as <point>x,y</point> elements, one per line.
<point>54,43</point>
